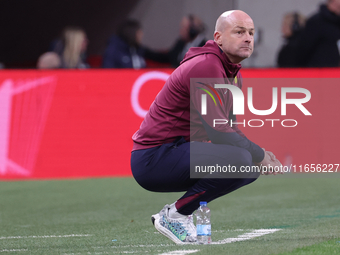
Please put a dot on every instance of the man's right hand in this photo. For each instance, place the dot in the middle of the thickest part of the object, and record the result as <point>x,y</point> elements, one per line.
<point>270,162</point>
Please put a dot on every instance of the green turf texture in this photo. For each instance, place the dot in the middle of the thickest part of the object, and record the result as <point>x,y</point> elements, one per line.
<point>324,248</point>
<point>115,214</point>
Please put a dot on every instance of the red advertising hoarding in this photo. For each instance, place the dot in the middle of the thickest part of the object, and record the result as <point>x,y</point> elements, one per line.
<point>79,123</point>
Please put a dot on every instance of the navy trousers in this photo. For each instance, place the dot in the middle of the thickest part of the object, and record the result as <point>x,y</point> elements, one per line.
<point>166,168</point>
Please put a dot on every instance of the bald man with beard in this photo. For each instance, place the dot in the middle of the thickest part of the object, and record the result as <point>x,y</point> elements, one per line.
<point>175,137</point>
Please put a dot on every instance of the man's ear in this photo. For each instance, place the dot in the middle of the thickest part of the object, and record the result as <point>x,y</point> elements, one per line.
<point>217,38</point>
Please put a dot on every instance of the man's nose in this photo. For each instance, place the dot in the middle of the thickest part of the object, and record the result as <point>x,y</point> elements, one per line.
<point>249,38</point>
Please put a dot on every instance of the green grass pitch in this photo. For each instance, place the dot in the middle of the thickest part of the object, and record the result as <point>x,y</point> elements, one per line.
<point>112,216</point>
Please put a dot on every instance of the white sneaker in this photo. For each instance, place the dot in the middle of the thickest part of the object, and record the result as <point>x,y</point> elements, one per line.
<point>179,229</point>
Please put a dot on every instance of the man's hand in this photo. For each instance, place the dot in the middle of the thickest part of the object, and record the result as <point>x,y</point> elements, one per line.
<point>269,163</point>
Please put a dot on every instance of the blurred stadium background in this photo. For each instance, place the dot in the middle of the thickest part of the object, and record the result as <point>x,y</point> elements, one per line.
<point>30,26</point>
<point>57,125</point>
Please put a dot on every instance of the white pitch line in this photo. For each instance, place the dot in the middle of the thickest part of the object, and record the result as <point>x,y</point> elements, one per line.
<point>229,230</point>
<point>142,245</point>
<point>247,236</point>
<point>254,233</point>
<point>52,236</point>
<point>13,250</point>
<point>120,252</point>
<point>180,252</point>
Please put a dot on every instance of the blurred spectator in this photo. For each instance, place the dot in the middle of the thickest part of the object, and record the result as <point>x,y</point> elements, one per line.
<point>74,48</point>
<point>49,60</point>
<point>191,35</point>
<point>320,41</point>
<point>292,25</point>
<point>124,49</point>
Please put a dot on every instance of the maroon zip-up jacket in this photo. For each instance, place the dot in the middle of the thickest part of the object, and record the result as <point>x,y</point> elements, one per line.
<point>176,110</point>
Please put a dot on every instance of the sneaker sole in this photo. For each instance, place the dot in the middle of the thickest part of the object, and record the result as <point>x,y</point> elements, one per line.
<point>164,231</point>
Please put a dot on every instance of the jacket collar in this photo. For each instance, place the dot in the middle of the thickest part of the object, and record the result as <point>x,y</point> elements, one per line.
<point>230,68</point>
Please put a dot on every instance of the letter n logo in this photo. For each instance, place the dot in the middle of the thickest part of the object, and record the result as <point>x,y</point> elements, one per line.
<point>238,97</point>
